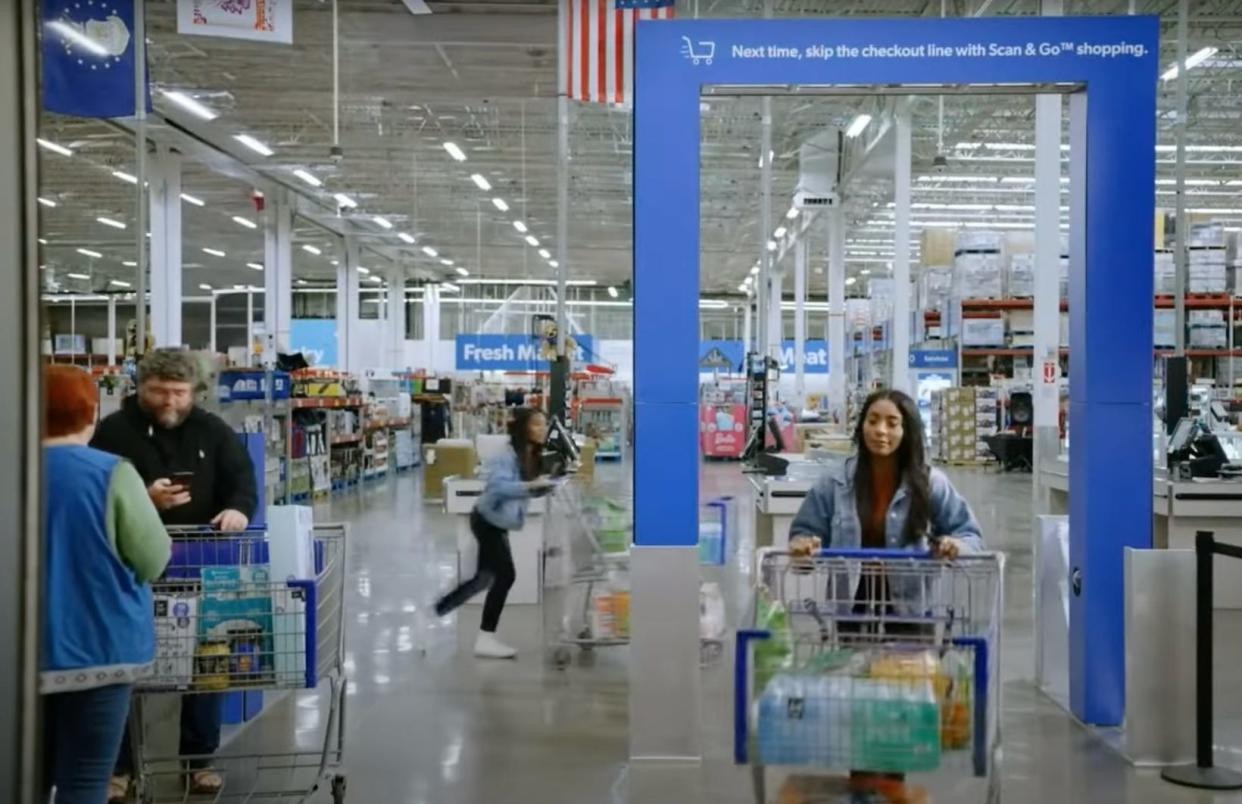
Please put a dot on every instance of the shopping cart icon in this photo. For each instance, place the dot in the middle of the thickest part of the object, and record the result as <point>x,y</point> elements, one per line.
<point>705,53</point>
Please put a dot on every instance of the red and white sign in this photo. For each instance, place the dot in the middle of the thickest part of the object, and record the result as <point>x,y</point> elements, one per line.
<point>1050,372</point>
<point>722,430</point>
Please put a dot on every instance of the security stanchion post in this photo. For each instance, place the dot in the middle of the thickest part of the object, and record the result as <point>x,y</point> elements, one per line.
<point>1204,774</point>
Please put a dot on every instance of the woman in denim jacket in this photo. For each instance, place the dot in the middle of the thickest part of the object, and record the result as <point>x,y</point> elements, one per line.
<point>512,479</point>
<point>886,497</point>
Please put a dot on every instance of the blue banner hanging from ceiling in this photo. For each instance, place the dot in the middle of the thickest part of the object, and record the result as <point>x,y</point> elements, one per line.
<point>88,58</point>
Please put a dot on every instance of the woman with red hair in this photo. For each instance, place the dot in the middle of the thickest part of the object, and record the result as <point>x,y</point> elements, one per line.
<point>103,545</point>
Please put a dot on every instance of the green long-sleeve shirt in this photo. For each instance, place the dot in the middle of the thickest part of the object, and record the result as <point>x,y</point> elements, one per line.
<point>134,527</point>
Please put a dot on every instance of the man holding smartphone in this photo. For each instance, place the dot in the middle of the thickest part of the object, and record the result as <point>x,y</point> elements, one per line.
<point>197,473</point>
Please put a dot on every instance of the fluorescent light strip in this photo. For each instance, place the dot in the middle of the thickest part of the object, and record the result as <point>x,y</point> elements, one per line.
<point>406,237</point>
<point>119,283</point>
<point>345,201</point>
<point>113,222</point>
<point>86,252</point>
<point>81,277</point>
<point>1192,61</point>
<point>47,202</point>
<point>446,263</point>
<point>130,264</point>
<point>612,291</point>
<point>533,241</point>
<point>204,287</point>
<point>240,221</point>
<point>461,271</point>
<point>382,222</point>
<point>543,252</point>
<point>500,204</point>
<point>309,249</point>
<point>54,147</point>
<point>308,177</point>
<point>125,177</point>
<point>480,182</point>
<point>190,199</point>
<point>858,126</point>
<point>792,213</point>
<point>215,252</point>
<point>455,152</point>
<point>255,265</point>
<point>364,271</point>
<point>779,233</point>
<point>581,283</point>
<point>191,105</point>
<point>258,146</point>
<point>430,252</point>
<point>521,227</point>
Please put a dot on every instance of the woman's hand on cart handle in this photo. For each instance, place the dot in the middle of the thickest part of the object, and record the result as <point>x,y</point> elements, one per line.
<point>804,546</point>
<point>946,547</point>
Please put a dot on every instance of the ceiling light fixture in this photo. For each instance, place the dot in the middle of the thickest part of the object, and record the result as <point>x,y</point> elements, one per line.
<point>86,252</point>
<point>258,146</point>
<point>743,289</point>
<point>1192,61</point>
<point>407,238</point>
<point>556,264</point>
<point>364,271</point>
<point>543,252</point>
<point>308,177</point>
<point>345,202</point>
<point>47,202</point>
<point>461,271</point>
<point>120,283</point>
<point>772,245</point>
<point>255,265</point>
<point>83,277</point>
<point>481,182</point>
<point>533,241</point>
<point>309,249</point>
<point>858,126</point>
<point>42,241</point>
<point>754,271</point>
<point>612,292</point>
<point>190,199</point>
<point>446,263</point>
<point>521,227</point>
<point>779,233</point>
<point>792,213</point>
<point>849,281</point>
<point>113,222</point>
<point>455,152</point>
<point>54,147</point>
<point>240,221</point>
<point>129,263</point>
<point>126,177</point>
<point>430,252</point>
<point>382,222</point>
<point>191,105</point>
<point>500,204</point>
<point>215,252</point>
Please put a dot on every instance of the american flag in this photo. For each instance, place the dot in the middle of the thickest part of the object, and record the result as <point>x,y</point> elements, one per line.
<point>597,41</point>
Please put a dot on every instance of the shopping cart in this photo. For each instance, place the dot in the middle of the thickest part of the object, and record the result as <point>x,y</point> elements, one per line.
<point>875,663</point>
<point>586,601</point>
<point>224,624</point>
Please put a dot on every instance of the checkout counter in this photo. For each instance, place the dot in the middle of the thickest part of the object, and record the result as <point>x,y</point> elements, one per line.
<point>1180,507</point>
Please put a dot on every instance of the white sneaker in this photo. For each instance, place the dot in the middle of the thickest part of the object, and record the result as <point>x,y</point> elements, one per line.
<point>487,646</point>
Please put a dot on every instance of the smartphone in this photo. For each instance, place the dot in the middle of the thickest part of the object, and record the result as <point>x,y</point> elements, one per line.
<point>183,479</point>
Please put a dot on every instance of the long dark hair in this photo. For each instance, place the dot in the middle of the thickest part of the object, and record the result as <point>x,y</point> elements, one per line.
<point>911,463</point>
<point>528,452</point>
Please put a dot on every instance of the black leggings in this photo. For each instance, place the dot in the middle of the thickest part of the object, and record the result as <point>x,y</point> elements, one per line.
<point>495,573</point>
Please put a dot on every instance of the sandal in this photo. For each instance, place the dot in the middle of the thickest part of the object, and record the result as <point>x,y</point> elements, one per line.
<point>204,782</point>
<point>118,789</point>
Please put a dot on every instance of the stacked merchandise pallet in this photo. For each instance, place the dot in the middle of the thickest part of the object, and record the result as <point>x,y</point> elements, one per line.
<point>327,432</point>
<point>961,417</point>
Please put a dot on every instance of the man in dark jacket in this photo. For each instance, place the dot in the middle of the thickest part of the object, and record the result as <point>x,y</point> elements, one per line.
<point>197,473</point>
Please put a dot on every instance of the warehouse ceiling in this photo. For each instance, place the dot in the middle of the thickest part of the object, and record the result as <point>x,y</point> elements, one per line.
<point>482,75</point>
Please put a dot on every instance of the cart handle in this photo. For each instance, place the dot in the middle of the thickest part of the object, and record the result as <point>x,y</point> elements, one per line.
<point>891,555</point>
<point>741,689</point>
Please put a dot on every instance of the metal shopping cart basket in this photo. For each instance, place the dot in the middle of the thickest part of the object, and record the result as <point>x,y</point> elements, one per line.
<point>586,600</point>
<point>876,665</point>
<point>225,625</point>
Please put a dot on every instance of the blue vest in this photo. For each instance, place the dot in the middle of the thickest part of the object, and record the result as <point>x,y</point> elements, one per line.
<point>99,626</point>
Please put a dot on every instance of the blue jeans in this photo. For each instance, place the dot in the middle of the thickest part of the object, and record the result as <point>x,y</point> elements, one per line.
<point>200,732</point>
<point>82,735</point>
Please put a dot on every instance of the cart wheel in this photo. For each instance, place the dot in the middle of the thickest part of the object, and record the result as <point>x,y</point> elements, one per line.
<point>708,61</point>
<point>561,657</point>
<point>338,789</point>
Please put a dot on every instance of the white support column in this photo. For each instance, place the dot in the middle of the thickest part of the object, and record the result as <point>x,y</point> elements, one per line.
<point>165,200</point>
<point>212,324</point>
<point>901,253</point>
<point>1047,313</point>
<point>111,330</point>
<point>747,324</point>
<point>249,328</point>
<point>347,306</point>
<point>776,329</point>
<point>396,317</point>
<point>431,323</point>
<point>277,277</point>
<point>800,257</point>
<point>837,375</point>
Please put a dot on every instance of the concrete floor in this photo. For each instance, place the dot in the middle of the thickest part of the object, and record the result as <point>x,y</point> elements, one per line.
<point>428,724</point>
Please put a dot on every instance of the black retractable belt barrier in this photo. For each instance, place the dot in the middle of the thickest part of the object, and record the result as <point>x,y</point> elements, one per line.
<point>1204,774</point>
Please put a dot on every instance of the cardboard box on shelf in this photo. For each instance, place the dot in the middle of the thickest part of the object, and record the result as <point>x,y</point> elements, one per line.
<point>936,247</point>
<point>983,332</point>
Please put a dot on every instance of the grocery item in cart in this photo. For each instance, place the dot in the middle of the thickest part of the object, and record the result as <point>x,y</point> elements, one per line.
<point>896,725</point>
<point>236,607</point>
<point>176,637</point>
<point>611,615</point>
<point>806,720</point>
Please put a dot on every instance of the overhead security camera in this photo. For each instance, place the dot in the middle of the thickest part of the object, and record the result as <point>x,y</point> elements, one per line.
<point>940,164</point>
<point>336,154</point>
